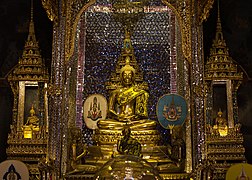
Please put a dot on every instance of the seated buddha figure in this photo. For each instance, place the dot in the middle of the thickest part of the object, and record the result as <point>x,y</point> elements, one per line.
<point>128,145</point>
<point>128,103</point>
<point>32,124</point>
<point>32,120</point>
<point>221,124</point>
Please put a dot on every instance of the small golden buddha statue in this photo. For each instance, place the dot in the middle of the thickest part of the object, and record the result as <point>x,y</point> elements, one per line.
<point>128,145</point>
<point>76,163</point>
<point>221,124</point>
<point>32,124</point>
<point>128,103</point>
<point>32,120</point>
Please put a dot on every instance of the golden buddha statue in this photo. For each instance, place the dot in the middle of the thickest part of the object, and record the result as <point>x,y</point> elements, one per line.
<point>128,102</point>
<point>127,129</point>
<point>32,120</point>
<point>221,124</point>
<point>32,124</point>
<point>128,145</point>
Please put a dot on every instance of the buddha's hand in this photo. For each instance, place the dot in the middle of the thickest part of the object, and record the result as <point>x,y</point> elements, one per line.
<point>125,117</point>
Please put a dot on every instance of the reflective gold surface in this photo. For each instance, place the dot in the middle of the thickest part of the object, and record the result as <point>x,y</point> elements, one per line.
<point>128,98</point>
<point>128,110</point>
<point>27,140</point>
<point>224,141</point>
<point>221,124</point>
<point>190,15</point>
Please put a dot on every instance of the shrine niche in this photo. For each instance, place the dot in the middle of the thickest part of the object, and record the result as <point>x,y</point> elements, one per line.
<point>130,94</point>
<point>101,44</point>
<point>155,51</point>
<point>220,98</point>
<point>31,102</point>
<point>27,140</point>
<point>159,52</point>
<point>224,141</point>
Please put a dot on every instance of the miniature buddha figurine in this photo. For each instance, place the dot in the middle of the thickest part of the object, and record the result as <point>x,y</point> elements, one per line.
<point>128,145</point>
<point>127,104</point>
<point>76,161</point>
<point>32,124</point>
<point>221,124</point>
<point>32,120</point>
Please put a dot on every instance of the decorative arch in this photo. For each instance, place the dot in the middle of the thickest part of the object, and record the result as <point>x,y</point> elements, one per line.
<point>181,11</point>
<point>71,28</point>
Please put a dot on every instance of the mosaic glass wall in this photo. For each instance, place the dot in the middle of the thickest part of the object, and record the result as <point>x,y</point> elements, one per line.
<point>151,40</point>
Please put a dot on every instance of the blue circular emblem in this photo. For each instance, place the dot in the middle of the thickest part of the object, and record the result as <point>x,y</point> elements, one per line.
<point>171,110</point>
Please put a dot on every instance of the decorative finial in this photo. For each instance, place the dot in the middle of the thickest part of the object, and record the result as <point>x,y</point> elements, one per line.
<point>127,45</point>
<point>127,34</point>
<point>31,36</point>
<point>31,10</point>
<point>220,112</point>
<point>219,34</point>
<point>32,111</point>
<point>127,66</point>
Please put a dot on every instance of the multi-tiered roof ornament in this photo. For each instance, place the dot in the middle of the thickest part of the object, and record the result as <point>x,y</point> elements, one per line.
<point>30,66</point>
<point>28,138</point>
<point>222,79</point>
<point>220,65</point>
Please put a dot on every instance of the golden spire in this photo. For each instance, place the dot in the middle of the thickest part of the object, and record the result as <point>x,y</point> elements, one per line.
<point>219,45</point>
<point>30,65</point>
<point>220,65</point>
<point>219,34</point>
<point>31,36</point>
<point>127,59</point>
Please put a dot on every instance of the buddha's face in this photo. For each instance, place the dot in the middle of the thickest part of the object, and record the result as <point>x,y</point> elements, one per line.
<point>127,77</point>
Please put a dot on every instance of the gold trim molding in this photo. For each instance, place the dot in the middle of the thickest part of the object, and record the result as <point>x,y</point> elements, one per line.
<point>205,10</point>
<point>71,26</point>
<point>183,15</point>
<point>51,9</point>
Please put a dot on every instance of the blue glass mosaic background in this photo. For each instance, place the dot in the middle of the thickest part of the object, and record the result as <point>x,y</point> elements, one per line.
<point>150,39</point>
